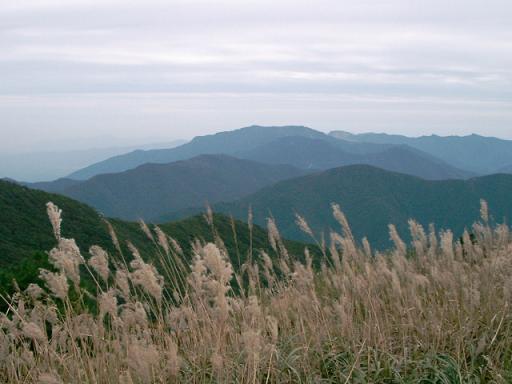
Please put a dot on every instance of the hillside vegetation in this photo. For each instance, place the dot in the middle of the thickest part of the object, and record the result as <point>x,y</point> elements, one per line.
<point>372,198</point>
<point>437,312</point>
<point>150,190</point>
<point>26,233</point>
<point>215,298</point>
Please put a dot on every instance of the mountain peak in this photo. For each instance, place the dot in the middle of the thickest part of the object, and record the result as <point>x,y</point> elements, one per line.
<point>152,188</point>
<point>227,142</point>
<point>372,198</point>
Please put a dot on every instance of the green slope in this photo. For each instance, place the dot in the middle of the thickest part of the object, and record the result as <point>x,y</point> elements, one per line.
<point>153,189</point>
<point>24,225</point>
<point>371,199</point>
<point>26,234</point>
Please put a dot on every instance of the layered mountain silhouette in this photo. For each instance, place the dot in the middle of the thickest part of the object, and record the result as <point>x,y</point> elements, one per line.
<point>320,154</point>
<point>153,189</point>
<point>228,143</point>
<point>371,199</point>
<point>56,186</point>
<point>478,154</point>
<point>377,178</point>
<point>294,145</point>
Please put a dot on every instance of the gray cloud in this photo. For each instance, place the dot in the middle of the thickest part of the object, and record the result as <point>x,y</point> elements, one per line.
<point>180,68</point>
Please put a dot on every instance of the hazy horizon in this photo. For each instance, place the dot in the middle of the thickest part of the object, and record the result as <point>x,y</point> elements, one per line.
<point>76,71</point>
<point>92,143</point>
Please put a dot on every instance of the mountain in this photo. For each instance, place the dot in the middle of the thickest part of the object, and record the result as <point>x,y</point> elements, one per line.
<point>371,199</point>
<point>321,154</point>
<point>507,169</point>
<point>26,233</point>
<point>478,154</point>
<point>295,145</point>
<point>55,186</point>
<point>228,143</point>
<point>49,165</point>
<point>153,189</point>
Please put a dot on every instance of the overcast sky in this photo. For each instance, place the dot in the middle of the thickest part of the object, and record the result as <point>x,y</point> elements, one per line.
<point>77,73</point>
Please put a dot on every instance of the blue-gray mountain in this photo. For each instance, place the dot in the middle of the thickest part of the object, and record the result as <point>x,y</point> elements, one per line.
<point>153,189</point>
<point>295,145</point>
<point>478,154</point>
<point>372,198</point>
<point>229,143</point>
<point>320,154</point>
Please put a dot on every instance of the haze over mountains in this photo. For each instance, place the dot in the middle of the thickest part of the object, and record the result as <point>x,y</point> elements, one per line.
<point>371,197</point>
<point>52,164</point>
<point>377,179</point>
<point>152,189</point>
<point>295,145</point>
<point>321,154</point>
<point>228,143</point>
<point>474,153</point>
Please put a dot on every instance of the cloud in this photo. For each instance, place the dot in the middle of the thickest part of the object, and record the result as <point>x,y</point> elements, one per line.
<point>451,53</point>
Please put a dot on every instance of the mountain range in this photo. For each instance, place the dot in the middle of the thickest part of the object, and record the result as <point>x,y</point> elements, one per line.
<point>237,167</point>
<point>378,179</point>
<point>294,145</point>
<point>228,143</point>
<point>371,199</point>
<point>322,154</point>
<point>150,190</point>
<point>474,153</point>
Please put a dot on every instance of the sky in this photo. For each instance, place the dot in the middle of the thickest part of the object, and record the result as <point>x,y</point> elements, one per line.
<point>79,74</point>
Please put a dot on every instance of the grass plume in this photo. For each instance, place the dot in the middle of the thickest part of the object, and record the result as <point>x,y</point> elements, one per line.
<point>435,311</point>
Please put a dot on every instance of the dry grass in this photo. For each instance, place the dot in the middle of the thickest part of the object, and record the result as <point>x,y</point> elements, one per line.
<point>435,312</point>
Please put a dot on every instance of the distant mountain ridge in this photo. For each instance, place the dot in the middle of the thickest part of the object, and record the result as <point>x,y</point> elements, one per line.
<point>321,154</point>
<point>372,198</point>
<point>285,145</point>
<point>152,189</point>
<point>56,186</point>
<point>49,165</point>
<point>475,153</point>
<point>228,143</point>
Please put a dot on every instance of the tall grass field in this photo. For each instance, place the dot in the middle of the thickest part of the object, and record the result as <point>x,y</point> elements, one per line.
<point>437,310</point>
